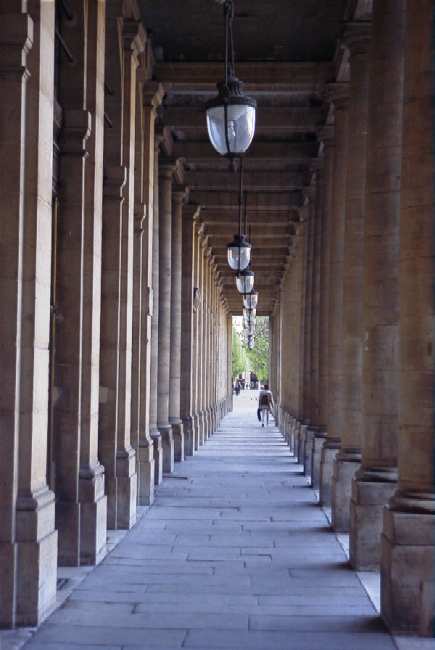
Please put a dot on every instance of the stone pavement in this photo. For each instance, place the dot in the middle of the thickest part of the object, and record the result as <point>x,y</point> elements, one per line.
<point>234,554</point>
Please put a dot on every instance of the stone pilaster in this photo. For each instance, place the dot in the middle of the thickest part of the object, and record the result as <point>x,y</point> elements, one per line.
<point>149,98</point>
<point>357,38</point>
<point>328,141</point>
<point>187,327</point>
<point>166,173</point>
<point>408,542</point>
<point>339,97</point>
<point>154,431</point>
<point>308,300</point>
<point>375,481</point>
<point>81,506</point>
<point>28,540</point>
<point>196,303</point>
<point>175,364</point>
<point>115,447</point>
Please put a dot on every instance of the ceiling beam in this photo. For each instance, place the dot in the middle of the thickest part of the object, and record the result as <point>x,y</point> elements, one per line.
<point>216,216</point>
<point>255,201</point>
<point>285,119</point>
<point>252,181</point>
<point>297,77</point>
<point>296,152</point>
<point>274,230</point>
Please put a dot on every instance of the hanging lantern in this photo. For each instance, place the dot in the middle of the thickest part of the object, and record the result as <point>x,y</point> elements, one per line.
<point>239,253</point>
<point>230,115</point>
<point>250,300</point>
<point>245,281</point>
<point>251,342</point>
<point>249,314</point>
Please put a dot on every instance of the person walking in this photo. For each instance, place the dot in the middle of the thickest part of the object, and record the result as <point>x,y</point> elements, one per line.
<point>265,404</point>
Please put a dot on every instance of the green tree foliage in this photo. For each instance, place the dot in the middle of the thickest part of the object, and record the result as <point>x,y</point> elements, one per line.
<point>258,358</point>
<point>239,355</point>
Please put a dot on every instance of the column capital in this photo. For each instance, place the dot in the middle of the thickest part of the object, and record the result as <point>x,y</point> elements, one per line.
<point>76,129</point>
<point>357,36</point>
<point>180,194</point>
<point>338,93</point>
<point>192,211</point>
<point>327,135</point>
<point>134,36</point>
<point>16,40</point>
<point>115,178</point>
<point>152,94</point>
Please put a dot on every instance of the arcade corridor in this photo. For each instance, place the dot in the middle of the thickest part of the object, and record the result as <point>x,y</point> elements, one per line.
<point>166,166</point>
<point>234,554</point>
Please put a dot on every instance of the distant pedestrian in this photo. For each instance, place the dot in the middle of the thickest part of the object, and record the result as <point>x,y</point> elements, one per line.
<point>265,404</point>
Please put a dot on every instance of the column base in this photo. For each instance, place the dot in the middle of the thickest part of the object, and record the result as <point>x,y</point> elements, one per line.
<point>167,448</point>
<point>407,562</point>
<point>93,515</point>
<point>318,442</point>
<point>201,428</point>
<point>36,558</point>
<point>301,443</point>
<point>158,457</point>
<point>196,431</point>
<point>344,470</point>
<point>329,452</point>
<point>189,443</point>
<point>146,471</point>
<point>369,498</point>
<point>308,451</point>
<point>178,435</point>
<point>127,488</point>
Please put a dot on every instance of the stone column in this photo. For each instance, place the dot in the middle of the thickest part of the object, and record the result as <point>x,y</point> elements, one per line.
<point>81,505</point>
<point>339,96</point>
<point>357,38</point>
<point>310,193</point>
<point>195,329</point>
<point>408,541</point>
<point>166,172</point>
<point>149,98</point>
<point>175,366</point>
<point>115,446</point>
<point>154,431</point>
<point>200,334</point>
<point>327,137</point>
<point>28,540</point>
<point>187,328</point>
<point>375,481</point>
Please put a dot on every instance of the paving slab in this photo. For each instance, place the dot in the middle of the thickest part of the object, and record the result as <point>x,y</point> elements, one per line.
<point>234,554</point>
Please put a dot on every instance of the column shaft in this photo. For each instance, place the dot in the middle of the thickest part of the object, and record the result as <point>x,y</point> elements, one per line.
<point>175,366</point>
<point>408,543</point>
<point>335,328</point>
<point>349,456</point>
<point>154,431</point>
<point>28,540</point>
<point>165,234</point>
<point>81,507</point>
<point>187,327</point>
<point>374,482</point>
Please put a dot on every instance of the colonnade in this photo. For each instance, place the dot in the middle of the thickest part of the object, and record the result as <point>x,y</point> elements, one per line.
<point>104,263</point>
<point>353,368</point>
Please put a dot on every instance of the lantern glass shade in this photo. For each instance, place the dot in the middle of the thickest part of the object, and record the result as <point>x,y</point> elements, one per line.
<point>245,281</point>
<point>231,124</point>
<point>250,300</point>
<point>251,342</point>
<point>239,253</point>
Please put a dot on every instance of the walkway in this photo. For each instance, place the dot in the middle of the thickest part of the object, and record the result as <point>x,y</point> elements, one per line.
<point>234,554</point>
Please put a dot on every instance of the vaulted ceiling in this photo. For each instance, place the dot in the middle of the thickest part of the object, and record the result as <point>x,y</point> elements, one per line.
<point>285,51</point>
